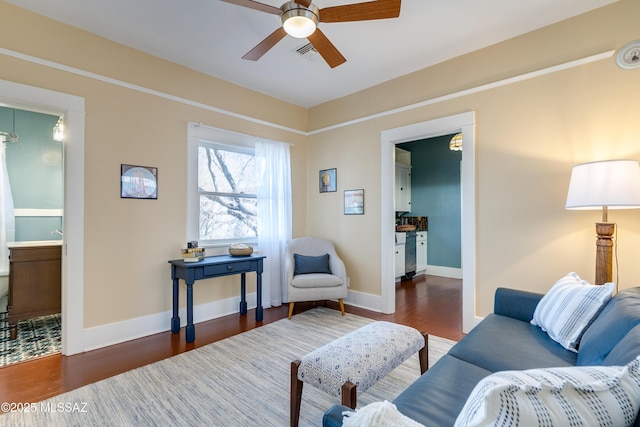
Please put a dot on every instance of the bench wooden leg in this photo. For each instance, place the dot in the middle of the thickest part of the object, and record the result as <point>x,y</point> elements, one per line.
<point>349,394</point>
<point>291,304</point>
<point>423,354</point>
<point>296,393</point>
<point>341,302</point>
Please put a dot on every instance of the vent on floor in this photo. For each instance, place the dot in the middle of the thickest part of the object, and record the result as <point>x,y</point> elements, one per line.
<point>307,51</point>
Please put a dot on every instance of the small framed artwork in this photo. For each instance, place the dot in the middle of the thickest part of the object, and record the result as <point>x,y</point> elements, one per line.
<point>354,202</point>
<point>138,182</point>
<point>327,180</point>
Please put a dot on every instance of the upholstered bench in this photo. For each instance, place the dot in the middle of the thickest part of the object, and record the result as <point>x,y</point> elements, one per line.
<point>356,361</point>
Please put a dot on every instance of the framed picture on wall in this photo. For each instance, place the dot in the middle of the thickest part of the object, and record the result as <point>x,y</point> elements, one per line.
<point>138,182</point>
<point>327,180</point>
<point>354,202</point>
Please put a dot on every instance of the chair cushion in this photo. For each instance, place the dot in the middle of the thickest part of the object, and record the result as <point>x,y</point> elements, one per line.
<point>569,308</point>
<point>315,280</point>
<point>593,395</point>
<point>305,264</point>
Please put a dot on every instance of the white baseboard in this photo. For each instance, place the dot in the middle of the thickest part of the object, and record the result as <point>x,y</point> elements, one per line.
<point>452,273</point>
<point>363,300</point>
<point>131,329</point>
<point>126,330</point>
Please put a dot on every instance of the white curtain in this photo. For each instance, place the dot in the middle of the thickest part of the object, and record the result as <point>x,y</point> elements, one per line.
<point>274,215</point>
<point>7,218</point>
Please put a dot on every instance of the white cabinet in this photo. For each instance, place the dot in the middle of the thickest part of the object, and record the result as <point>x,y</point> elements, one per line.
<point>399,260</point>
<point>421,251</point>
<point>403,188</point>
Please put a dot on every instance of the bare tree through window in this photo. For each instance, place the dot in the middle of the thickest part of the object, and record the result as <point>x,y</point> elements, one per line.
<point>227,186</point>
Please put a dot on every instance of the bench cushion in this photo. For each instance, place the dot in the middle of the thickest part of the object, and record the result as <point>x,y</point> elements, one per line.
<point>363,357</point>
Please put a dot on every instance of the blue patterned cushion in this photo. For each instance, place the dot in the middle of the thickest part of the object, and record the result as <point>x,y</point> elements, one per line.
<point>569,308</point>
<point>363,357</point>
<point>305,264</point>
<point>574,396</point>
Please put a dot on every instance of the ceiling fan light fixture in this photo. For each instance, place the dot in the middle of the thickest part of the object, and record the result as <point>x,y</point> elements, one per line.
<point>299,21</point>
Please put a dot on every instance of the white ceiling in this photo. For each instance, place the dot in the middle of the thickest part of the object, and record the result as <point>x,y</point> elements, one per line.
<point>211,36</point>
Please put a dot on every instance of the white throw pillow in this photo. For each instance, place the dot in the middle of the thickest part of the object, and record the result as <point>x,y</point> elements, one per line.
<point>378,414</point>
<point>569,307</point>
<point>552,397</point>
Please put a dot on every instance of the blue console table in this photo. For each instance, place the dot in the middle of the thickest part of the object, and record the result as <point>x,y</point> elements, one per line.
<point>216,266</point>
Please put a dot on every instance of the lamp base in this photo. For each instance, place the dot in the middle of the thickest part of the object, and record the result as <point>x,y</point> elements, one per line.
<point>604,252</point>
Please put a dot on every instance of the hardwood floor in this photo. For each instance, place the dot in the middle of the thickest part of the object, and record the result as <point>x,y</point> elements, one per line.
<point>427,303</point>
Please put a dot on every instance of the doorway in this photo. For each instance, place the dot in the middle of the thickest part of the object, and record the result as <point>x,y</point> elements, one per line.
<point>436,195</point>
<point>31,201</point>
<point>465,124</point>
<point>29,98</point>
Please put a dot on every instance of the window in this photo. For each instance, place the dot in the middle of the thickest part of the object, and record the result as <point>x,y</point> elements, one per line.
<point>222,188</point>
<point>227,189</point>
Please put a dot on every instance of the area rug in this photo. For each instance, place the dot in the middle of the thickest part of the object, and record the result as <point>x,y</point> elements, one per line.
<point>243,380</point>
<point>37,337</point>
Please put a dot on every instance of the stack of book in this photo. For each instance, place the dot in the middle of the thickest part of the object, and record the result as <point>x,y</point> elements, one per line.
<point>192,254</point>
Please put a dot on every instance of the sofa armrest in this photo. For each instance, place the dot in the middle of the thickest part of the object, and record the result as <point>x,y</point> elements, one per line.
<point>516,304</point>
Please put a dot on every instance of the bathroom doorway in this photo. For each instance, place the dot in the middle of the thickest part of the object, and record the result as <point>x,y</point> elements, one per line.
<point>31,203</point>
<point>30,98</point>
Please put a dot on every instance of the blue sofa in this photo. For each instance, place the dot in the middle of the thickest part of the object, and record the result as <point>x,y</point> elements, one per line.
<point>505,340</point>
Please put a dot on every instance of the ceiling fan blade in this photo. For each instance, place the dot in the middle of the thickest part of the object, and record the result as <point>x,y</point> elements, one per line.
<point>255,5</point>
<point>326,49</point>
<point>266,44</point>
<point>305,3</point>
<point>380,9</point>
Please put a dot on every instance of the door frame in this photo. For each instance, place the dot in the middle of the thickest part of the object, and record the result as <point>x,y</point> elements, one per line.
<point>30,98</point>
<point>464,123</point>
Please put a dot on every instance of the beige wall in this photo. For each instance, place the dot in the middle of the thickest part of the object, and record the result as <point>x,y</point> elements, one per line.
<point>529,134</point>
<point>128,242</point>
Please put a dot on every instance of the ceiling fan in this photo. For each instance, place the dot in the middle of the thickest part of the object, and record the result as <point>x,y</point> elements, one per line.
<point>300,19</point>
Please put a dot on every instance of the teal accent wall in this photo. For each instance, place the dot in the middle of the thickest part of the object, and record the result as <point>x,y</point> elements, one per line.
<point>435,193</point>
<point>34,165</point>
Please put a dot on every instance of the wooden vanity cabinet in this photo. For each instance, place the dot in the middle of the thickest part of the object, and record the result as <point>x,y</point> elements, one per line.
<point>35,279</point>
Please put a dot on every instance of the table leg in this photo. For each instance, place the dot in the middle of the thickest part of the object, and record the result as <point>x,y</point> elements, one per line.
<point>243,294</point>
<point>190,329</point>
<point>175,320</point>
<point>259,296</point>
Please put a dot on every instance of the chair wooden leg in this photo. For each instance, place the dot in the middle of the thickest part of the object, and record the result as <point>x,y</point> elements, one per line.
<point>423,354</point>
<point>296,393</point>
<point>291,304</point>
<point>341,305</point>
<point>349,395</point>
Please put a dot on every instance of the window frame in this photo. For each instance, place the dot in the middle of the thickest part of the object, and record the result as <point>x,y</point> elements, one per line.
<point>201,134</point>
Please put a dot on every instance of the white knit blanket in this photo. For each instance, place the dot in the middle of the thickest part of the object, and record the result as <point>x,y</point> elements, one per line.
<point>378,414</point>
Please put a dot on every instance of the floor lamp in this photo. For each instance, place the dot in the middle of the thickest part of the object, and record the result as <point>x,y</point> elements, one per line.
<point>611,184</point>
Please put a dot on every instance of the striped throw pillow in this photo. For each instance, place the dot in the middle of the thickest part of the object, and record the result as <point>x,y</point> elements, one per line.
<point>569,307</point>
<point>551,397</point>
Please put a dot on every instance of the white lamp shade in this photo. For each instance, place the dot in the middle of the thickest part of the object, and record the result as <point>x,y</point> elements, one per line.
<point>614,184</point>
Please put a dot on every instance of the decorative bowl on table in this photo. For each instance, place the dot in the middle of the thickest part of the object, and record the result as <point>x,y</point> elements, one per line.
<point>240,249</point>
